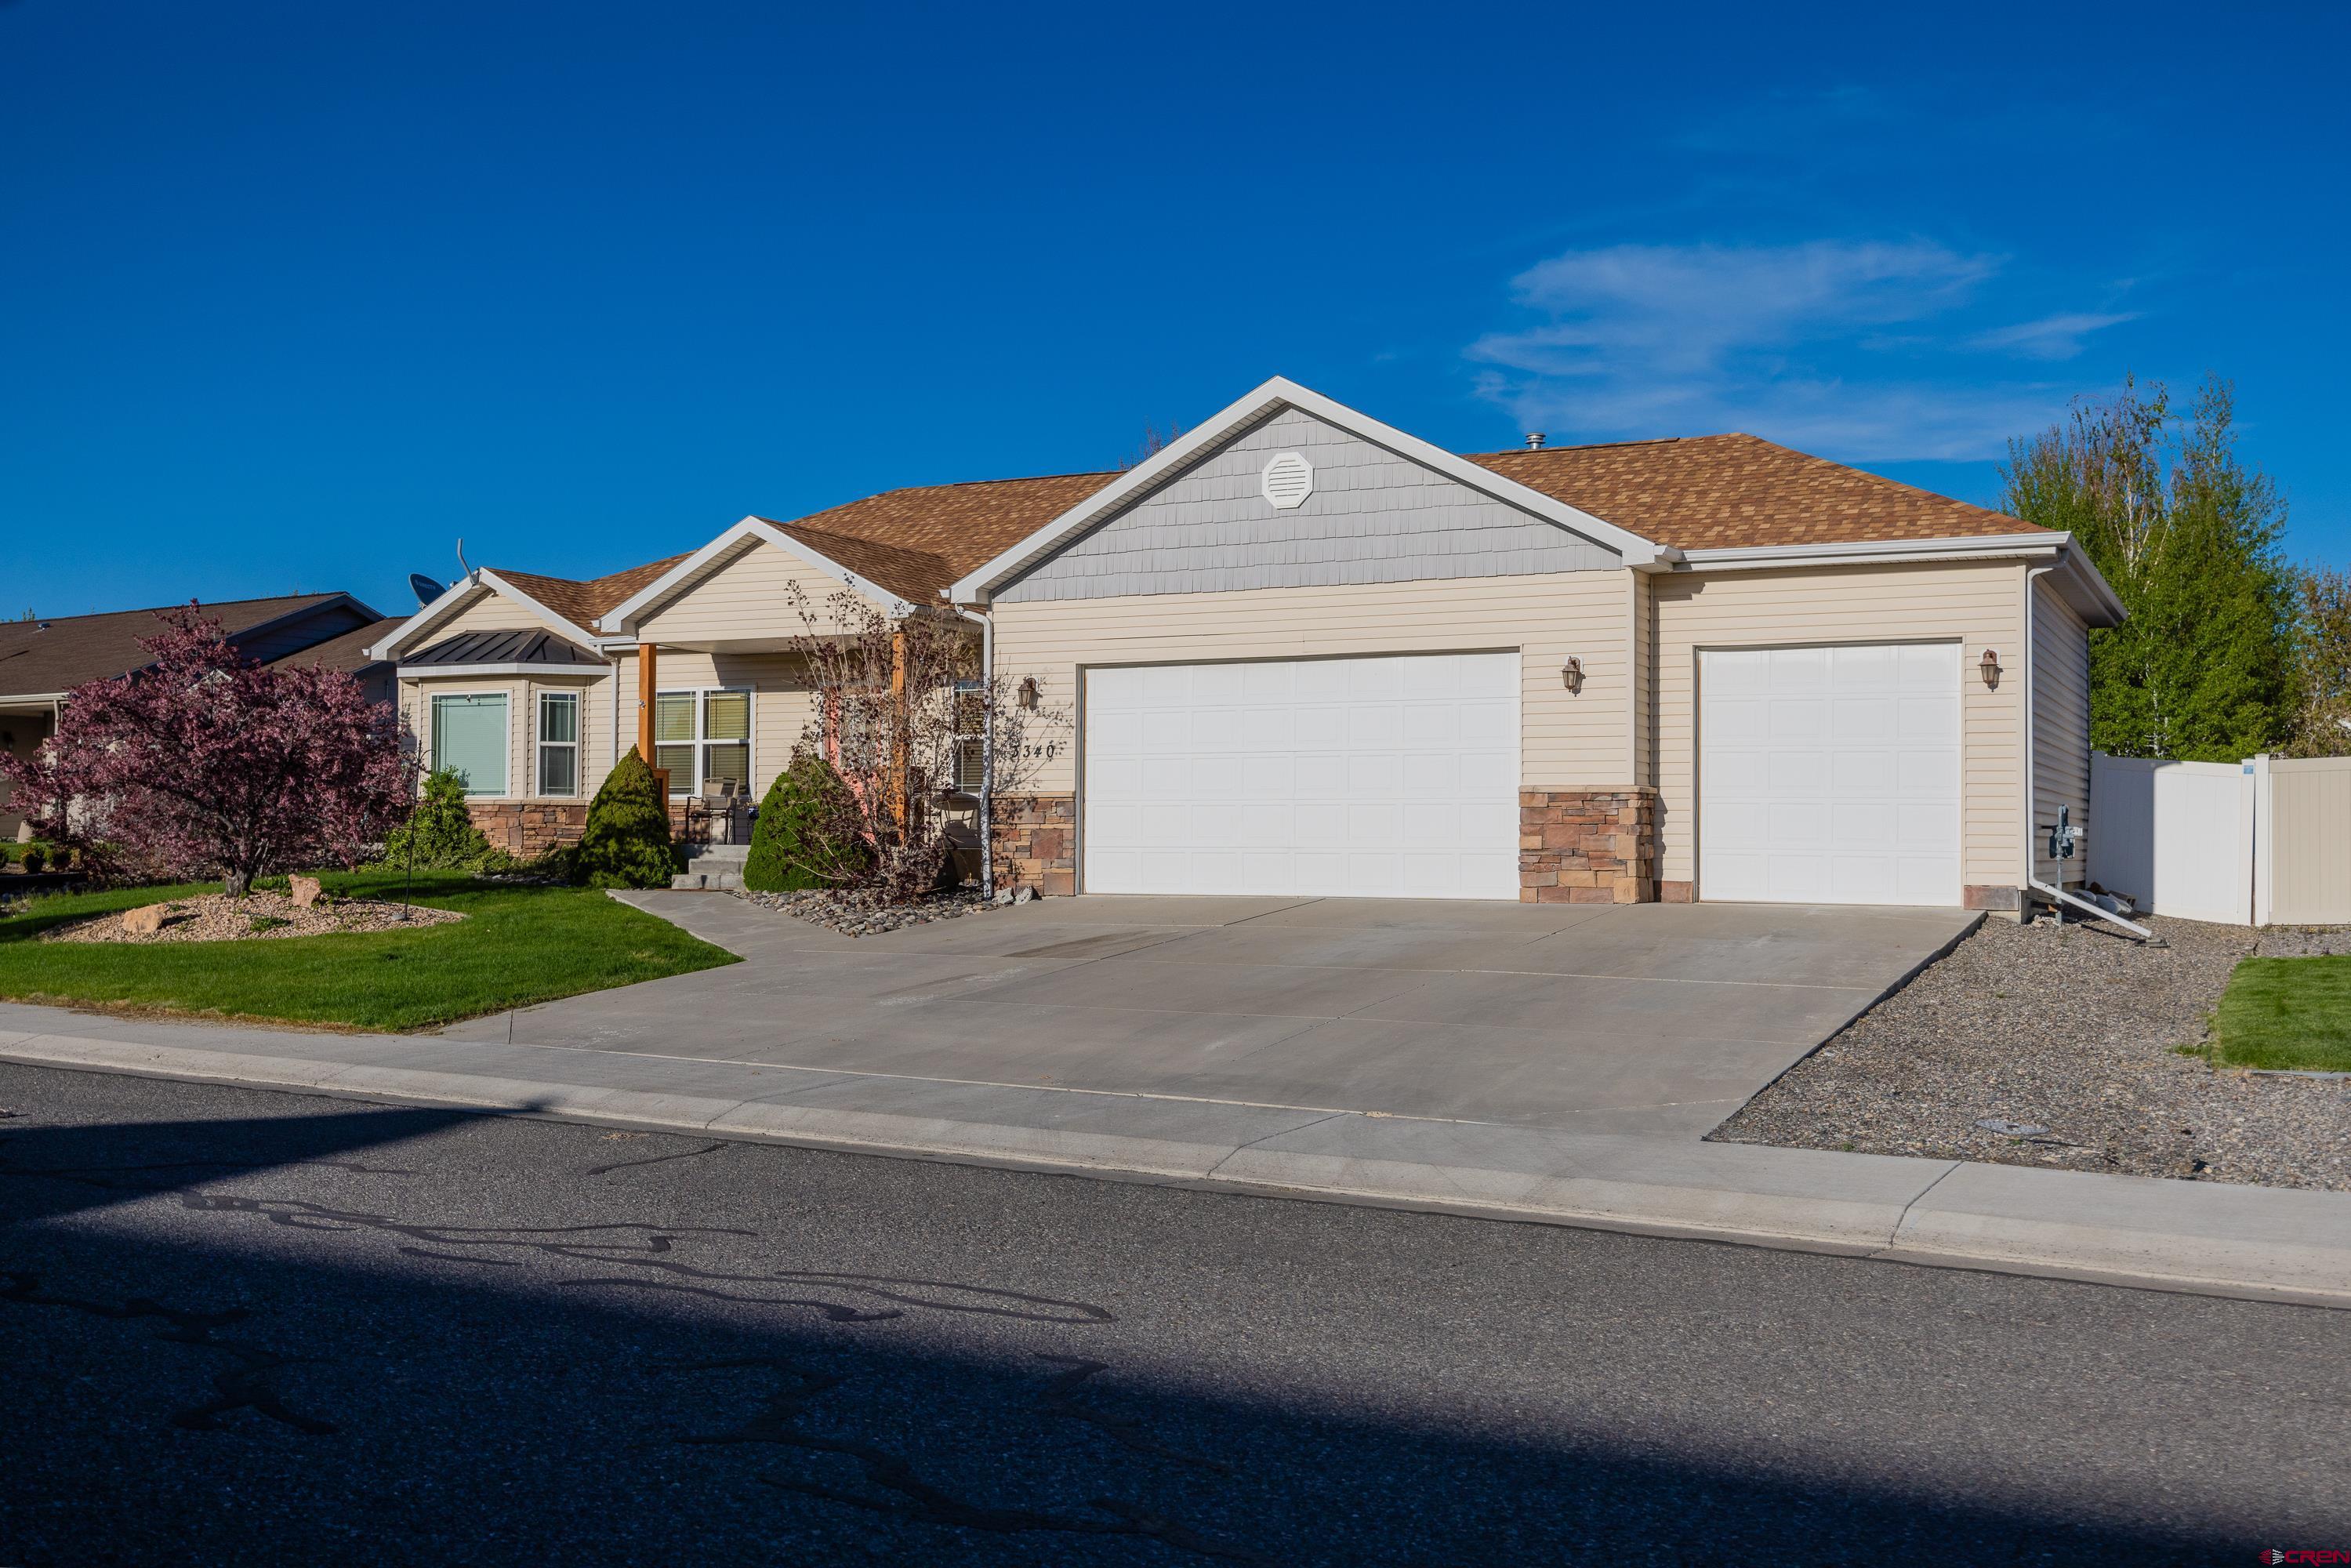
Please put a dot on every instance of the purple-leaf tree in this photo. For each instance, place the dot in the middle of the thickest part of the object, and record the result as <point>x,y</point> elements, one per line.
<point>204,763</point>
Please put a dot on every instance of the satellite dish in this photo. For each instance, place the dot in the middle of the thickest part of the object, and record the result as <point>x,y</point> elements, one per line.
<point>424,588</point>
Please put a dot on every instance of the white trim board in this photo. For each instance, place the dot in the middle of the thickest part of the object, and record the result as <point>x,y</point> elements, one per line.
<point>1638,553</point>
<point>465,594</point>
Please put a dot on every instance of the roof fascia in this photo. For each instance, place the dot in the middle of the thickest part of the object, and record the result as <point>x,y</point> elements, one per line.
<point>2091,593</point>
<point>427,616</point>
<point>752,530</point>
<point>549,672</point>
<point>324,601</point>
<point>1641,554</point>
<point>2040,542</point>
<point>457,597</point>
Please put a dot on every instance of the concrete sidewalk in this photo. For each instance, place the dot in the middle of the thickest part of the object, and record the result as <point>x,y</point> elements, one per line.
<point>2237,1240</point>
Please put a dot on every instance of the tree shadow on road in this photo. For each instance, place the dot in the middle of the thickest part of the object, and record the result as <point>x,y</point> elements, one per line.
<point>278,1356</point>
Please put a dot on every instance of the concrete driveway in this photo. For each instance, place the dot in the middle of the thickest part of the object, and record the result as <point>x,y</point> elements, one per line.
<point>1657,1019</point>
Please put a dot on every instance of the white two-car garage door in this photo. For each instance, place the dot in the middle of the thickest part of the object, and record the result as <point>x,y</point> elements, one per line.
<point>1830,775</point>
<point>1380,778</point>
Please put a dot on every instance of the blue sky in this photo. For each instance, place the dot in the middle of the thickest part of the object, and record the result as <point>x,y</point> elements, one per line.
<point>297,295</point>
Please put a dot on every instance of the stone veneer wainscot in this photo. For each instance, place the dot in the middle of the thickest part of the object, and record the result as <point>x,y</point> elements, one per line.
<point>1587,846</point>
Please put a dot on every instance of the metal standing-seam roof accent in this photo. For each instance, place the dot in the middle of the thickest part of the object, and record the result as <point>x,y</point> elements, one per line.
<point>533,647</point>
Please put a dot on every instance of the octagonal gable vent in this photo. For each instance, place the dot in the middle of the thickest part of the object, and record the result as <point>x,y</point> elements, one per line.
<point>1289,479</point>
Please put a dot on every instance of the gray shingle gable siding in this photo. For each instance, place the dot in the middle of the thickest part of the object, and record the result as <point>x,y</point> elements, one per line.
<point>1373,517</point>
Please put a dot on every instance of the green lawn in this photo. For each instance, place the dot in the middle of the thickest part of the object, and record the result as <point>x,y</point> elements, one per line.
<point>2286,1013</point>
<point>522,945</point>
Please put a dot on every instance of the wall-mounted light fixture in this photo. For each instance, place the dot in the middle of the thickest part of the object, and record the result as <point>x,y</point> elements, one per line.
<point>1989,666</point>
<point>1028,694</point>
<point>1570,674</point>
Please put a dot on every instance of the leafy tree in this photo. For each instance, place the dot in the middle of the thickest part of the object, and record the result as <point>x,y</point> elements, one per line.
<point>627,840</point>
<point>807,834</point>
<point>2322,725</point>
<point>2188,536</point>
<point>206,763</point>
<point>900,708</point>
<point>440,834</point>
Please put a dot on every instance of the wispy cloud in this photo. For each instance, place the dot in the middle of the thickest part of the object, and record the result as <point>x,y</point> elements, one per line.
<point>2056,337</point>
<point>1847,347</point>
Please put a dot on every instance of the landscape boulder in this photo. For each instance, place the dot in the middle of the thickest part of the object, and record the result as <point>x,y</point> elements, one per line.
<point>144,921</point>
<point>306,891</point>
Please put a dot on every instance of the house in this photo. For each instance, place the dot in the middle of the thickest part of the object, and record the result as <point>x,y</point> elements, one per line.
<point>42,660</point>
<point>1310,653</point>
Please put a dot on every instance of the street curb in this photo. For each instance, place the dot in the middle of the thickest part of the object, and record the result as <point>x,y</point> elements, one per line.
<point>2258,1243</point>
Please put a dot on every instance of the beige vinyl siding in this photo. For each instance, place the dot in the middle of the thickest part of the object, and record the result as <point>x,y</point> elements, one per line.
<point>2060,729</point>
<point>745,597</point>
<point>1568,740</point>
<point>1978,605</point>
<point>492,612</point>
<point>780,703</point>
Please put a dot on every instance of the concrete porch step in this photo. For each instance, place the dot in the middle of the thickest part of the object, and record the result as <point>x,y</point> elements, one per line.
<point>714,868</point>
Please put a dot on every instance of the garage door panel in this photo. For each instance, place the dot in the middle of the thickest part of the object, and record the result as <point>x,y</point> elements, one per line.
<point>1798,721</point>
<point>1378,776</point>
<point>1798,671</point>
<point>1830,774</point>
<point>1861,775</point>
<point>1799,825</point>
<point>1803,773</point>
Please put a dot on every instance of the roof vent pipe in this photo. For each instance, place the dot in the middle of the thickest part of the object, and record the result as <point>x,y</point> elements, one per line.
<point>1534,440</point>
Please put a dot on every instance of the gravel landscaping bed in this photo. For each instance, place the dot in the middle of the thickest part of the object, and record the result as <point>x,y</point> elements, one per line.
<point>854,911</point>
<point>257,917</point>
<point>2068,1041</point>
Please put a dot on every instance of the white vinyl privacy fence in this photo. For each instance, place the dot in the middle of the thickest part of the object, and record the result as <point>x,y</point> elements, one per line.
<point>2264,842</point>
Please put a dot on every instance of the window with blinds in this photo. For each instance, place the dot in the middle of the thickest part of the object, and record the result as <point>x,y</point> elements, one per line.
<point>703,739</point>
<point>558,743</point>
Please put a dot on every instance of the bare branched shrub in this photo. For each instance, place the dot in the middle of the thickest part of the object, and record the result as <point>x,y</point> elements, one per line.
<point>901,708</point>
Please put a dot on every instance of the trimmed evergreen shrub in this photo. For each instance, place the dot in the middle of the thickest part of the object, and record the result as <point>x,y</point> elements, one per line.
<point>805,836</point>
<point>627,843</point>
<point>442,832</point>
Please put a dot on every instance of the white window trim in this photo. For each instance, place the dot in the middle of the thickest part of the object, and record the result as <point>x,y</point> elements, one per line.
<point>539,743</point>
<point>433,741</point>
<point>750,741</point>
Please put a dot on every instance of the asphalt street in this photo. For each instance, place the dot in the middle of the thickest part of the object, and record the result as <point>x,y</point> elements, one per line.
<point>243,1326</point>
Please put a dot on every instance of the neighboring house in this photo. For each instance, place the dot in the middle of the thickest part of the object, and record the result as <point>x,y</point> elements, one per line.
<point>1309,654</point>
<point>353,652</point>
<point>42,660</point>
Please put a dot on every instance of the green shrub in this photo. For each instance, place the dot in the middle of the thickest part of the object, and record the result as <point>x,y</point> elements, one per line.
<point>35,859</point>
<point>804,836</point>
<point>626,842</point>
<point>440,832</point>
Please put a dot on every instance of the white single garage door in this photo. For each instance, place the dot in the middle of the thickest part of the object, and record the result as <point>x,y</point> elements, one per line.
<point>1379,778</point>
<point>1830,775</point>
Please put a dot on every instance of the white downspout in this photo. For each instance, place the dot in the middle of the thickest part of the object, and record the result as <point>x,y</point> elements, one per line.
<point>986,746</point>
<point>2032,575</point>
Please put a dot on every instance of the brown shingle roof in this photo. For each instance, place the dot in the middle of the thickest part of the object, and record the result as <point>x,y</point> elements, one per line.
<point>349,652</point>
<point>934,534</point>
<point>580,603</point>
<point>56,654</point>
<point>1694,492</point>
<point>1714,492</point>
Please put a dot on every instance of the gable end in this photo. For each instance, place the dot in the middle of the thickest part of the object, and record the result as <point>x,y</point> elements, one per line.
<point>1371,515</point>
